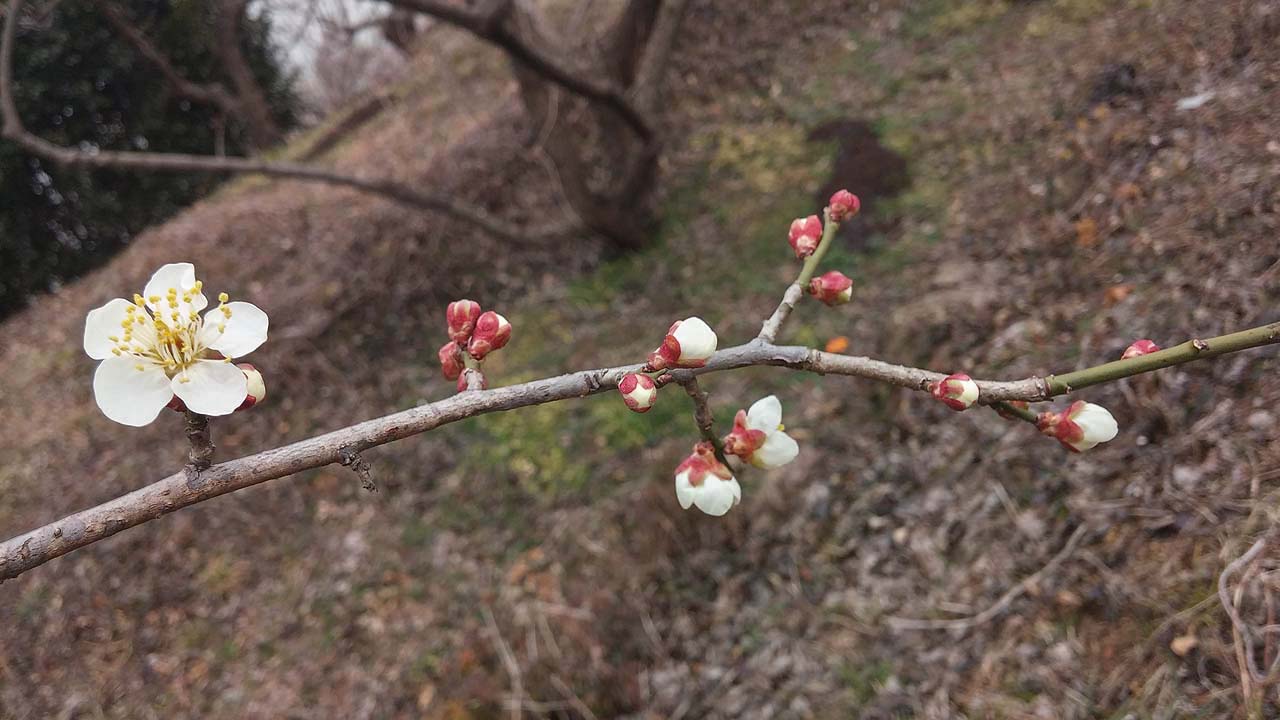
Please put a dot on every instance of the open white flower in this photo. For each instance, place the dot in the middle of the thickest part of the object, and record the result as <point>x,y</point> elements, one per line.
<point>759,437</point>
<point>704,481</point>
<point>159,346</point>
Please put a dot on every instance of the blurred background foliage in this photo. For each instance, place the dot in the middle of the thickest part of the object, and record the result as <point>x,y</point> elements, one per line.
<point>78,83</point>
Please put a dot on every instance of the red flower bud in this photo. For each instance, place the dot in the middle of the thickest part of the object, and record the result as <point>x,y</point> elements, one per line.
<point>461,316</point>
<point>832,288</point>
<point>450,355</point>
<point>638,391</point>
<point>257,387</point>
<point>843,206</point>
<point>805,235</point>
<point>492,331</point>
<point>1139,348</point>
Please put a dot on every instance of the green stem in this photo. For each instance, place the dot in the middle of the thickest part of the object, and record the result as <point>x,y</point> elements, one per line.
<point>1191,350</point>
<point>1019,412</point>
<point>810,266</point>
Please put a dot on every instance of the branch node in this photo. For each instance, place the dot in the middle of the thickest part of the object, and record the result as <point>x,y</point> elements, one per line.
<point>351,458</point>
<point>1199,345</point>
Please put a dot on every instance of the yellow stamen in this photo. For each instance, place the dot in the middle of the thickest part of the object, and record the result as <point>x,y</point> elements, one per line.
<point>223,297</point>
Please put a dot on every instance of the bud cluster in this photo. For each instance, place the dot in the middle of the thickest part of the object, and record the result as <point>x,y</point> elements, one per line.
<point>476,333</point>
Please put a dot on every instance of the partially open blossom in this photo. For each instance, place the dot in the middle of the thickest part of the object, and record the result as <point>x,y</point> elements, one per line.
<point>958,391</point>
<point>464,380</point>
<point>255,385</point>
<point>639,391</point>
<point>1020,404</point>
<point>758,436</point>
<point>461,317</point>
<point>1080,427</point>
<point>843,205</point>
<point>832,288</point>
<point>704,481</point>
<point>159,346</point>
<point>689,343</point>
<point>805,235</point>
<point>492,331</point>
<point>450,355</point>
<point>1139,348</point>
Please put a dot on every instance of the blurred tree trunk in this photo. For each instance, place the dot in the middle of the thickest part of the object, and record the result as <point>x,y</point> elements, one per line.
<point>253,109</point>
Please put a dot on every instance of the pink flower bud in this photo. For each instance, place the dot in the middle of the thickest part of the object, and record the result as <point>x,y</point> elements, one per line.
<point>257,387</point>
<point>1021,404</point>
<point>958,391</point>
<point>465,380</point>
<point>833,288</point>
<point>1139,348</point>
<point>450,355</point>
<point>492,331</point>
<point>1080,427</point>
<point>638,391</point>
<point>805,235</point>
<point>461,316</point>
<point>843,206</point>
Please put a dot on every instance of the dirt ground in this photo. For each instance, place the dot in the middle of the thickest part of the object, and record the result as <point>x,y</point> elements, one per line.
<point>1043,190</point>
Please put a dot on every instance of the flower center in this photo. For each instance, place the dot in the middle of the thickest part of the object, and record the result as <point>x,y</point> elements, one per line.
<point>167,331</point>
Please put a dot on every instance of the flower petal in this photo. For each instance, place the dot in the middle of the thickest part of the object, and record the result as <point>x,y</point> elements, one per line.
<point>246,329</point>
<point>128,395</point>
<point>778,450</point>
<point>684,491</point>
<point>716,496</point>
<point>765,415</point>
<point>211,387</point>
<point>1098,424</point>
<point>103,323</point>
<point>697,340</point>
<point>182,278</point>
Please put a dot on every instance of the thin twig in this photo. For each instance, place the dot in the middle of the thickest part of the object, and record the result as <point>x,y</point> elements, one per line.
<point>1013,593</point>
<point>512,667</point>
<point>200,456</point>
<point>795,291</point>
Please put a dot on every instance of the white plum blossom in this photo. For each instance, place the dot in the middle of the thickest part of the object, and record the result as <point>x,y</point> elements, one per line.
<point>759,436</point>
<point>703,481</point>
<point>159,346</point>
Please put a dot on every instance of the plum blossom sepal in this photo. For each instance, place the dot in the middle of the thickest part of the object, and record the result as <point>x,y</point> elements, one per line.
<point>159,346</point>
<point>1080,427</point>
<point>705,482</point>
<point>957,391</point>
<point>759,436</point>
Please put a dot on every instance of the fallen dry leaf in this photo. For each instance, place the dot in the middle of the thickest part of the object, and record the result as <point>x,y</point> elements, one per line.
<point>837,344</point>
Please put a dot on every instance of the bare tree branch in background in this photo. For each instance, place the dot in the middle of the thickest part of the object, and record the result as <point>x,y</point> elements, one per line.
<point>13,130</point>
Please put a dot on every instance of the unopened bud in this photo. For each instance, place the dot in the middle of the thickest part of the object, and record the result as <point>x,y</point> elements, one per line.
<point>689,344</point>
<point>491,333</point>
<point>805,235</point>
<point>843,206</point>
<point>450,355</point>
<point>472,379</point>
<point>461,316</point>
<point>958,391</point>
<point>257,387</point>
<point>1139,348</point>
<point>1080,427</point>
<point>832,288</point>
<point>638,391</point>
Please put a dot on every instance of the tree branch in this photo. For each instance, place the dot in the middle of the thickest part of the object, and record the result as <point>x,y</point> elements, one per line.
<point>490,25</point>
<point>177,162</point>
<point>60,537</point>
